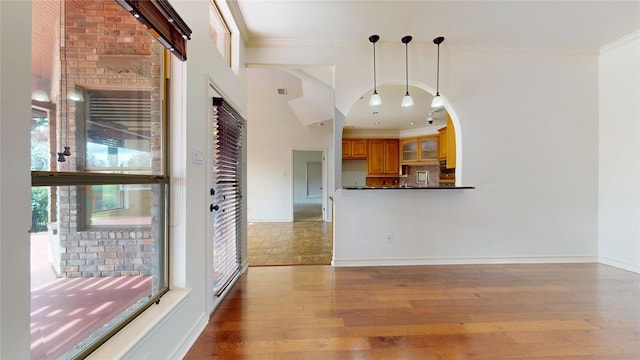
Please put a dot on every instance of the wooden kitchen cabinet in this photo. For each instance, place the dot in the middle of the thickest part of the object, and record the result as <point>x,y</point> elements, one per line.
<point>354,149</point>
<point>420,149</point>
<point>442,143</point>
<point>447,146</point>
<point>383,157</point>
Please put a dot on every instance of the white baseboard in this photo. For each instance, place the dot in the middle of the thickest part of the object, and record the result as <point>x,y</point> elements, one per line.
<point>620,265</point>
<point>183,348</point>
<point>464,261</point>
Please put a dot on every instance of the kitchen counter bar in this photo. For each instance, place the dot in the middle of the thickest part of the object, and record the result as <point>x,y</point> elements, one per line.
<point>407,187</point>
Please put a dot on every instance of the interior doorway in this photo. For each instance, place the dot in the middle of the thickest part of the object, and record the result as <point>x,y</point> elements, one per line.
<point>308,185</point>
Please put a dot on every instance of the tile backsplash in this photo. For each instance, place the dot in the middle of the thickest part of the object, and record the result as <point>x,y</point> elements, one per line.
<point>411,178</point>
<point>412,174</point>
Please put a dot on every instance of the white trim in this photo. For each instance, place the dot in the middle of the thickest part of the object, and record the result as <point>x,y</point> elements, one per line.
<point>196,330</point>
<point>127,341</point>
<point>243,267</point>
<point>620,265</point>
<point>620,42</point>
<point>464,261</point>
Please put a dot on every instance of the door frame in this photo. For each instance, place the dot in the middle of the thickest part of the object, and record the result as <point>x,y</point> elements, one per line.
<point>323,152</point>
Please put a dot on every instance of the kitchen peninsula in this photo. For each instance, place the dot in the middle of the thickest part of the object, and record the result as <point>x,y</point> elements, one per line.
<point>407,187</point>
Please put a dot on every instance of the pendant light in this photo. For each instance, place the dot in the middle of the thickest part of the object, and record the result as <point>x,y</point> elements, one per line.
<point>375,99</point>
<point>437,100</point>
<point>407,101</point>
<point>65,75</point>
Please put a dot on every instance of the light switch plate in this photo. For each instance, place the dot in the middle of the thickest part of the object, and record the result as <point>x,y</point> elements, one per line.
<point>197,156</point>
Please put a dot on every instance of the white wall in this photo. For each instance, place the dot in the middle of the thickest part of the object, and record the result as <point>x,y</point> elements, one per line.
<point>527,124</point>
<point>619,158</point>
<point>274,132</point>
<point>15,178</point>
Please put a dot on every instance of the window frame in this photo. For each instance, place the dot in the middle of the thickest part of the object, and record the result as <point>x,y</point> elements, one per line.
<point>82,177</point>
<point>221,22</point>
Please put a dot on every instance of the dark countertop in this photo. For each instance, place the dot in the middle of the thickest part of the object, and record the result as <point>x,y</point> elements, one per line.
<point>407,187</point>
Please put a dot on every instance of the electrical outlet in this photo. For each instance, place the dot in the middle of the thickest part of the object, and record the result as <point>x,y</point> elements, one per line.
<point>389,238</point>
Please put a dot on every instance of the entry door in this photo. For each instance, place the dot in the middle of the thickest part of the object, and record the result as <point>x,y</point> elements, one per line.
<point>225,193</point>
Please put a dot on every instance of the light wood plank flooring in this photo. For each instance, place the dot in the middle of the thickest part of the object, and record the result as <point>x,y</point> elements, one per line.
<point>551,311</point>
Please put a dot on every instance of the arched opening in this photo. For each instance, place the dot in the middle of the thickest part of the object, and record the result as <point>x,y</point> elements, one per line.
<point>389,145</point>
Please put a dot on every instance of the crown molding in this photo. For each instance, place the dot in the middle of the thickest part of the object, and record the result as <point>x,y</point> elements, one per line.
<point>634,36</point>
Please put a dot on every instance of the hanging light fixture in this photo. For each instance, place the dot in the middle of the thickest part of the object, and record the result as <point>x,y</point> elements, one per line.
<point>375,99</point>
<point>437,100</point>
<point>407,101</point>
<point>64,74</point>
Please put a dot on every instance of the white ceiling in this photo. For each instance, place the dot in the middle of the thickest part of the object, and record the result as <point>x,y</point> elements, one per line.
<point>538,24</point>
<point>566,25</point>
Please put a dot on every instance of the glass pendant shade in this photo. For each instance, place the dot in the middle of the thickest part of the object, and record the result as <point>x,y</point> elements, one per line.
<point>407,101</point>
<point>375,99</point>
<point>437,101</point>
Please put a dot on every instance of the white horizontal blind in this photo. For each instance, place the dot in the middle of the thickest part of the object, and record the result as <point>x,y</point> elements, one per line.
<point>115,116</point>
<point>227,151</point>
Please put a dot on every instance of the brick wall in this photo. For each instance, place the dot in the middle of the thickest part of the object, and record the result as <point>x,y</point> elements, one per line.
<point>104,47</point>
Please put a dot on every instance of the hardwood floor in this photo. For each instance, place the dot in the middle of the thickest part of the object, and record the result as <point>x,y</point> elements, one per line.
<point>551,311</point>
<point>286,243</point>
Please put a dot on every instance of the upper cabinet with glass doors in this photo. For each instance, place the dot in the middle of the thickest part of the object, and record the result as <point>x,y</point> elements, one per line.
<point>420,149</point>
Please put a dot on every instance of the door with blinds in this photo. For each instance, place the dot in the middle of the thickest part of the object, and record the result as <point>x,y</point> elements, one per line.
<point>225,193</point>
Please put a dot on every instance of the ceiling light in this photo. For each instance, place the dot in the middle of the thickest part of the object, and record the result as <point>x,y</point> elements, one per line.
<point>375,99</point>
<point>437,100</point>
<point>407,101</point>
<point>40,95</point>
<point>75,95</point>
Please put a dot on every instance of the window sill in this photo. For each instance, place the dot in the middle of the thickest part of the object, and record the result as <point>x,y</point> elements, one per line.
<point>137,330</point>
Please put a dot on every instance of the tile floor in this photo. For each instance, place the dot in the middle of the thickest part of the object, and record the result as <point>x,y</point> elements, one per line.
<point>290,243</point>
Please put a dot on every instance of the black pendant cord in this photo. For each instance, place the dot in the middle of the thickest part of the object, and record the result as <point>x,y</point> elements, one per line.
<point>63,42</point>
<point>373,39</point>
<point>63,71</point>
<point>406,66</point>
<point>438,41</point>
<point>405,41</point>
<point>438,73</point>
<point>375,90</point>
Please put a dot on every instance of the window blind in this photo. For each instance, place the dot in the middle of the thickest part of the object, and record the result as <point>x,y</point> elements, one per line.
<point>116,116</point>
<point>226,196</point>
